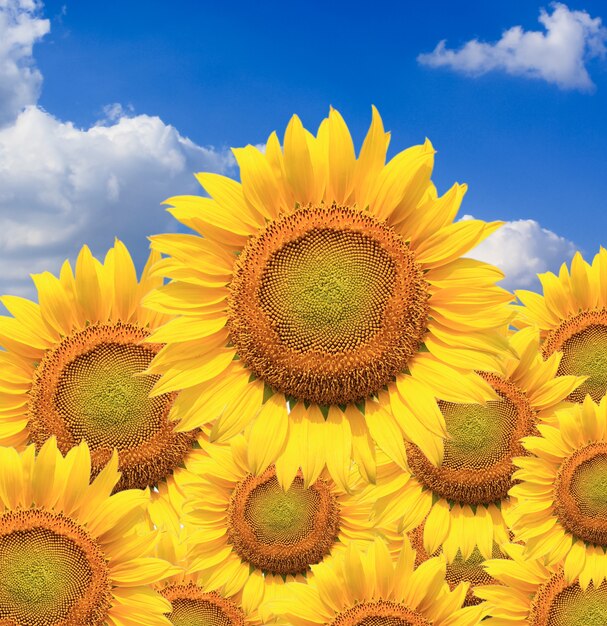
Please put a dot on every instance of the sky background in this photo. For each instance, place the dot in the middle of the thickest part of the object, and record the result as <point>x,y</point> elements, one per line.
<point>107,108</point>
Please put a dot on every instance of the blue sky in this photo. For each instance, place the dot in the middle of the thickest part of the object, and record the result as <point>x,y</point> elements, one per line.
<point>522,123</point>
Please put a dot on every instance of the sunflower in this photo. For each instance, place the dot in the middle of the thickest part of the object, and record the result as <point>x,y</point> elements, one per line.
<point>317,282</point>
<point>72,553</point>
<point>465,500</point>
<point>532,593</point>
<point>72,369</point>
<point>191,602</point>
<point>364,588</point>
<point>562,497</point>
<point>243,525</point>
<point>572,317</point>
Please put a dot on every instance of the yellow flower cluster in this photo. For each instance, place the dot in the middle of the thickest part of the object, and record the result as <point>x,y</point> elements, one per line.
<point>311,408</point>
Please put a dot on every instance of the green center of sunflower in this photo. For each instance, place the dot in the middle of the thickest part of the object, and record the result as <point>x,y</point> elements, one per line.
<point>323,292</point>
<point>89,387</point>
<point>583,341</point>
<point>191,606</point>
<point>589,483</point>
<point>102,400</point>
<point>559,604</point>
<point>580,493</point>
<point>380,613</point>
<point>283,515</point>
<point>52,571</point>
<point>477,465</point>
<point>327,305</point>
<point>282,532</point>
<point>477,433</point>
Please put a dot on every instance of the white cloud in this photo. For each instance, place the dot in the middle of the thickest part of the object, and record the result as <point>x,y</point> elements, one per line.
<point>20,81</point>
<point>522,249</point>
<point>558,55</point>
<point>113,112</point>
<point>61,186</point>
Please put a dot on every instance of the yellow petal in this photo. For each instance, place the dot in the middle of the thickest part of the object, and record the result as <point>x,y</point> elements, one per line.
<point>227,193</point>
<point>314,442</point>
<point>289,461</point>
<point>370,160</point>
<point>450,383</point>
<point>437,526</point>
<point>386,433</point>
<point>88,288</point>
<point>452,241</point>
<point>188,329</point>
<point>125,282</point>
<point>29,315</point>
<point>11,478</point>
<point>422,403</point>
<point>575,561</point>
<point>414,431</point>
<point>363,447</point>
<point>189,375</point>
<point>403,179</point>
<point>259,184</point>
<point>142,571</point>
<point>298,164</point>
<point>341,159</point>
<point>201,213</point>
<point>268,434</point>
<point>339,437</point>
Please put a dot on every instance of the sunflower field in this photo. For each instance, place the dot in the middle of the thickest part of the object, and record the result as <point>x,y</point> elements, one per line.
<point>311,408</point>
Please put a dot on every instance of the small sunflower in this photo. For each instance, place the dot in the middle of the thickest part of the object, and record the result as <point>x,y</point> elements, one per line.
<point>244,524</point>
<point>191,602</point>
<point>466,498</point>
<point>531,593</point>
<point>561,512</point>
<point>572,317</point>
<point>367,588</point>
<point>70,552</point>
<point>317,282</point>
<point>458,569</point>
<point>72,369</point>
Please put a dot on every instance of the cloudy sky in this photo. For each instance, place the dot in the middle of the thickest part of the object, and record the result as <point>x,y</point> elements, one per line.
<point>107,108</point>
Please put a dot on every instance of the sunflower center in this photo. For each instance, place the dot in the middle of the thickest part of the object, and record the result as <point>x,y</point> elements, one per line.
<point>477,465</point>
<point>191,606</point>
<point>87,388</point>
<point>282,532</point>
<point>52,571</point>
<point>580,493</point>
<point>558,604</point>
<point>323,292</point>
<point>380,613</point>
<point>327,305</point>
<point>583,341</point>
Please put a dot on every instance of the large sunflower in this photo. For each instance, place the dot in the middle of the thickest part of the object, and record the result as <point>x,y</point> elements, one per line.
<point>572,317</point>
<point>318,281</point>
<point>72,369</point>
<point>70,552</point>
<point>363,588</point>
<point>562,497</point>
<point>466,498</point>
<point>244,525</point>
<point>532,593</point>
